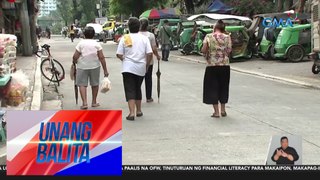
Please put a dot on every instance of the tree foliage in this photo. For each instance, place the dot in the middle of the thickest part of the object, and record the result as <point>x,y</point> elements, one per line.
<point>250,7</point>
<point>84,11</point>
<point>89,11</point>
<point>135,7</point>
<point>65,10</point>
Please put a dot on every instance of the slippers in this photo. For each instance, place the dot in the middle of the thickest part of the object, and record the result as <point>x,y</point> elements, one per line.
<point>130,118</point>
<point>84,107</point>
<point>215,116</point>
<point>139,114</point>
<point>95,105</point>
<point>223,114</point>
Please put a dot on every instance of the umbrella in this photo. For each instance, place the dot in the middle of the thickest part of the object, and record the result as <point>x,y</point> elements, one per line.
<point>158,82</point>
<point>76,91</point>
<point>160,14</point>
<point>151,14</point>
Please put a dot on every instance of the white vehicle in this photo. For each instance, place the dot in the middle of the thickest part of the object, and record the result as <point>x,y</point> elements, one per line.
<point>99,32</point>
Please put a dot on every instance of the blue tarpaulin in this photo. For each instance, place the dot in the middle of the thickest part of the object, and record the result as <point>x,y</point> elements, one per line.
<point>217,6</point>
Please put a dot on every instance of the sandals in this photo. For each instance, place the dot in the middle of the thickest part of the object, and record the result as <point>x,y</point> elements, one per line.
<point>139,114</point>
<point>130,118</point>
<point>215,116</point>
<point>84,107</point>
<point>95,105</point>
<point>223,114</point>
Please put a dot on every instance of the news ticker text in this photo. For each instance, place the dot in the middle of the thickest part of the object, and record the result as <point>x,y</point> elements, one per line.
<point>220,168</point>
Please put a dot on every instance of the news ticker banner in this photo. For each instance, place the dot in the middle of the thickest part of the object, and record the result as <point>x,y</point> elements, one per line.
<point>217,168</point>
<point>133,169</point>
<point>64,143</point>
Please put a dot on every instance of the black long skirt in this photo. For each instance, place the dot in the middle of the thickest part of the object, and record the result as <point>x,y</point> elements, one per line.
<point>132,86</point>
<point>216,85</point>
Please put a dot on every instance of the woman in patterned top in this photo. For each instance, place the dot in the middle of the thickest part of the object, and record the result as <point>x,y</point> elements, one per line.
<point>217,48</point>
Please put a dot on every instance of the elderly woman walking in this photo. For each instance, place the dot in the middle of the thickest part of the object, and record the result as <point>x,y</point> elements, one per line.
<point>135,52</point>
<point>88,57</point>
<point>217,47</point>
<point>148,77</point>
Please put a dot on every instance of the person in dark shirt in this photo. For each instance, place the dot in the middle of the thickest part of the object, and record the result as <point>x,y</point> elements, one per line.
<point>285,155</point>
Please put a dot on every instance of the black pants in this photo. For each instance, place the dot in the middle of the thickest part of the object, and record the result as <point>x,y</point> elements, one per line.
<point>148,82</point>
<point>165,51</point>
<point>72,37</point>
<point>132,86</point>
<point>216,85</point>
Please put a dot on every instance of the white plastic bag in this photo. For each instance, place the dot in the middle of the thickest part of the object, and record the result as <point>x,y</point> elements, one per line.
<point>19,77</point>
<point>105,85</point>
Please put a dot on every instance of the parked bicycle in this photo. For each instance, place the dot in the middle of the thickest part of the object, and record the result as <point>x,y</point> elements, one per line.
<point>50,68</point>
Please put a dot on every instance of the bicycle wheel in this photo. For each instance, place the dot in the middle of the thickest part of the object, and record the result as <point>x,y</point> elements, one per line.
<point>52,70</point>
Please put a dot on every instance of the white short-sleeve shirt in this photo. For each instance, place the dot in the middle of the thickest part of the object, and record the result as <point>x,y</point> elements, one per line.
<point>135,57</point>
<point>88,49</point>
<point>152,40</point>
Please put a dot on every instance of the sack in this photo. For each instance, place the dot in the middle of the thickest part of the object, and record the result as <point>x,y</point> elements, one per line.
<point>106,85</point>
<point>72,72</point>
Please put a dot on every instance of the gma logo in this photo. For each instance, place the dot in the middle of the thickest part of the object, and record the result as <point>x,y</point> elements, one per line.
<point>269,22</point>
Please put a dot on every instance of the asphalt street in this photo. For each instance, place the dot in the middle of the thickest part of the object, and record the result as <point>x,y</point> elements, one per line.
<point>179,129</point>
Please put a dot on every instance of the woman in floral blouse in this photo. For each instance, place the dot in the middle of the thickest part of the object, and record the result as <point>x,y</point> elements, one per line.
<point>217,47</point>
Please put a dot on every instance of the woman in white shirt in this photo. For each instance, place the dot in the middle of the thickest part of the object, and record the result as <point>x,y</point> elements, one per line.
<point>135,52</point>
<point>89,57</point>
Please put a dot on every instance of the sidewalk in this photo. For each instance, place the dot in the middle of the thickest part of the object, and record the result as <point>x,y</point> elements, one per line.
<point>288,72</point>
<point>3,151</point>
<point>28,65</point>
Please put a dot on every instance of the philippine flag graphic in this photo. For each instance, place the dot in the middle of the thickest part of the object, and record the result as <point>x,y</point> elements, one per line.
<point>64,143</point>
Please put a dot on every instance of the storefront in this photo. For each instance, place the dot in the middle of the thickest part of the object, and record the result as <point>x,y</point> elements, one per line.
<point>17,29</point>
<point>18,17</point>
<point>8,17</point>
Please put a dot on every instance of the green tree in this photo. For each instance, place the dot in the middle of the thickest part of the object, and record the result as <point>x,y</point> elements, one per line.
<point>65,11</point>
<point>89,11</point>
<point>135,7</point>
<point>76,12</point>
<point>251,7</point>
<point>300,6</point>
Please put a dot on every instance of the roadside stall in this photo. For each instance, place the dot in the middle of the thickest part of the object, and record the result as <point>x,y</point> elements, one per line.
<point>7,64</point>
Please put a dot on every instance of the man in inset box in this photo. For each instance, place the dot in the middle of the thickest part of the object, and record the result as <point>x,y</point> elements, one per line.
<point>285,155</point>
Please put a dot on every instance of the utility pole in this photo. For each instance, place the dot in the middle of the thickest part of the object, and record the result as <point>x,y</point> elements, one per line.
<point>26,32</point>
<point>100,10</point>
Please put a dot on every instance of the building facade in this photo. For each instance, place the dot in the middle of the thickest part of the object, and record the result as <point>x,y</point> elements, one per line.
<point>46,7</point>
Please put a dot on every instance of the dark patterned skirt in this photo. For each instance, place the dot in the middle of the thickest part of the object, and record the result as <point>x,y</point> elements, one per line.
<point>216,85</point>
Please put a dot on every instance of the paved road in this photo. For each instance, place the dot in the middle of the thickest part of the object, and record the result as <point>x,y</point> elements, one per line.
<point>300,71</point>
<point>179,129</point>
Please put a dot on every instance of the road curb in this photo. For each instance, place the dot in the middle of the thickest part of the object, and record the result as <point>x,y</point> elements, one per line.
<point>37,88</point>
<point>254,73</point>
